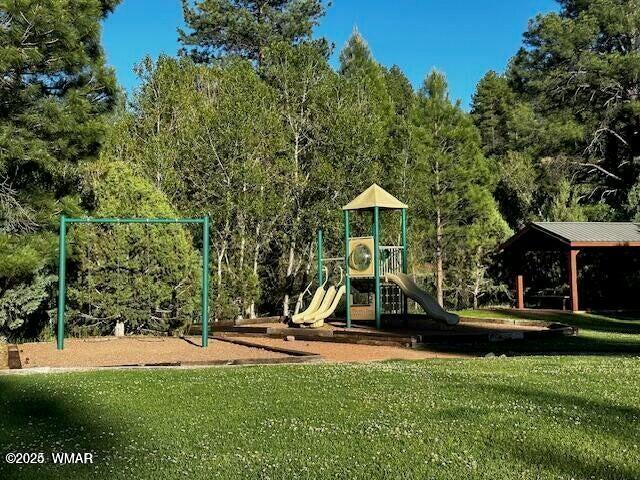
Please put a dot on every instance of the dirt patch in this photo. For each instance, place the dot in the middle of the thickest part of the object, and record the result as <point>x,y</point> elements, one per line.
<point>111,351</point>
<point>348,352</point>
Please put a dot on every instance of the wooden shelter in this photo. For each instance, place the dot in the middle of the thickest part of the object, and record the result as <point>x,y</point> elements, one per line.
<point>569,238</point>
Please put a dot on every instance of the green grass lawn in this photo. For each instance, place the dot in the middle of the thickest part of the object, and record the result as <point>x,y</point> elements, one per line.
<point>598,334</point>
<point>512,418</point>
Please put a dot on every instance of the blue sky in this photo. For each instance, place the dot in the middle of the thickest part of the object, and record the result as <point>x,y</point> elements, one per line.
<point>463,38</point>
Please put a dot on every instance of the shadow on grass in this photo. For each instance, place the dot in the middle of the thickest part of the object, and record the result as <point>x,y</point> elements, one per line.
<point>578,345</point>
<point>597,335</point>
<point>34,420</point>
<point>620,323</point>
<point>596,417</point>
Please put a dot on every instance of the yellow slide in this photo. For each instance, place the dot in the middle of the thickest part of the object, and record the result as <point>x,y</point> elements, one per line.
<point>312,308</point>
<point>317,320</point>
<point>326,303</point>
<point>422,298</point>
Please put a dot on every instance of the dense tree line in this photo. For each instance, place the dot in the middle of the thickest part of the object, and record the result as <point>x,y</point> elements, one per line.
<point>55,97</point>
<point>251,126</point>
<point>563,126</point>
<point>564,120</point>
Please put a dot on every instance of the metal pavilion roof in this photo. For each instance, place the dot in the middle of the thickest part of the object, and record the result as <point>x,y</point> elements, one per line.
<point>578,234</point>
<point>596,232</point>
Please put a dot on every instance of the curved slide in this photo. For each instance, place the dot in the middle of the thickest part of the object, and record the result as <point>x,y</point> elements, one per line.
<point>312,308</point>
<point>422,298</point>
<point>317,319</point>
<point>326,303</point>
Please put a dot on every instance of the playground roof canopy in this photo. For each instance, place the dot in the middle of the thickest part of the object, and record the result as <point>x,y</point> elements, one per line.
<point>577,235</point>
<point>375,196</point>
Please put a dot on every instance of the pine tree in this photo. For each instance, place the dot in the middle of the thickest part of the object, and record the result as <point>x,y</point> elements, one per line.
<point>146,276</point>
<point>491,107</point>
<point>398,144</point>
<point>54,98</point>
<point>356,54</point>
<point>400,90</point>
<point>579,68</point>
<point>451,184</point>
<point>369,118</point>
<point>245,27</point>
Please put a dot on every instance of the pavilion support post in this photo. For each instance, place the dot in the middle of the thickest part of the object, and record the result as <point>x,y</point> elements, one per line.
<point>572,270</point>
<point>520,291</point>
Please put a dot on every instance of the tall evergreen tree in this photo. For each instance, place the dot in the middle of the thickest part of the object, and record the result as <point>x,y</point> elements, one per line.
<point>580,67</point>
<point>370,115</point>
<point>54,96</point>
<point>491,107</point>
<point>245,27</point>
<point>356,54</point>
<point>398,144</point>
<point>146,276</point>
<point>535,153</point>
<point>451,186</point>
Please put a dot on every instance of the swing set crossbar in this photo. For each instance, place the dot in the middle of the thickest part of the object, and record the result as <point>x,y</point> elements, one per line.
<point>62,263</point>
<point>69,220</point>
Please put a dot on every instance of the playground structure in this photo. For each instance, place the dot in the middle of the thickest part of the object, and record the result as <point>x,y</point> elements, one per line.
<point>373,281</point>
<point>375,276</point>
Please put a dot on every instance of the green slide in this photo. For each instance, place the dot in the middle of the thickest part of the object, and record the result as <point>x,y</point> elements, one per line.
<point>422,298</point>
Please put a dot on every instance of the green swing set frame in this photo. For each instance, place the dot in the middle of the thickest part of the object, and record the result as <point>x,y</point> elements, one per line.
<point>62,264</point>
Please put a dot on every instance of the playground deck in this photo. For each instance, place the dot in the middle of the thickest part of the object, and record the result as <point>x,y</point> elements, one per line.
<point>468,331</point>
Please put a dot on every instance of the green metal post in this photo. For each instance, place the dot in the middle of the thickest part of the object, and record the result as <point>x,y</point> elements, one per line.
<point>405,261</point>
<point>205,282</point>
<point>347,278</point>
<point>376,264</point>
<point>319,259</point>
<point>62,287</point>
